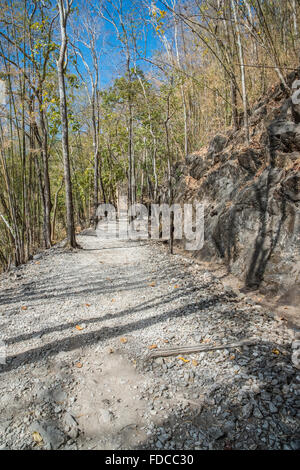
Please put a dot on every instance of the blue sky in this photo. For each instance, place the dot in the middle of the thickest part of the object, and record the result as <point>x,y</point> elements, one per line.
<point>112,58</point>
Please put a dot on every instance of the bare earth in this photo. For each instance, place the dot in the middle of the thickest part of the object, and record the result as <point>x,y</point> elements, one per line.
<point>77,327</point>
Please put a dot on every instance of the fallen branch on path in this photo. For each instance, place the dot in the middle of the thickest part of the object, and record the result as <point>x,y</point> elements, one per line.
<point>198,348</point>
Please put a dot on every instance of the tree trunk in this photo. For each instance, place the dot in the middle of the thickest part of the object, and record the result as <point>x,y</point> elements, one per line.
<point>46,186</point>
<point>241,56</point>
<point>55,209</point>
<point>63,15</point>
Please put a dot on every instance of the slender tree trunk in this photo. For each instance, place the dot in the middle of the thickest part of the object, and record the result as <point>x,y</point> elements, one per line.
<point>234,105</point>
<point>170,190</point>
<point>96,158</point>
<point>64,11</point>
<point>184,107</point>
<point>296,30</point>
<point>46,186</point>
<point>55,210</point>
<point>131,163</point>
<point>243,78</point>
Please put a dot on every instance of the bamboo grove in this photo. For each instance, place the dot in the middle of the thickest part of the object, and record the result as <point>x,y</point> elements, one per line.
<point>184,70</point>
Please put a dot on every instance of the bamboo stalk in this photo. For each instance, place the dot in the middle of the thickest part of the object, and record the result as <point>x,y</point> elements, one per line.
<point>198,348</point>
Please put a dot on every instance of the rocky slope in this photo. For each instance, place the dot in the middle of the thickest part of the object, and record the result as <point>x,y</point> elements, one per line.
<point>251,196</point>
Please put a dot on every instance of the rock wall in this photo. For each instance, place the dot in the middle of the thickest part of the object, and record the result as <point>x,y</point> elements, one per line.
<point>251,195</point>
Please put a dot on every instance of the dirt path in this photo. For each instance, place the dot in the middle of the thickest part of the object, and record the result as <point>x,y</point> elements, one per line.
<point>77,327</point>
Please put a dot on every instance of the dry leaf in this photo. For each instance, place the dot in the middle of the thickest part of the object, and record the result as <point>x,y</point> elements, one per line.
<point>231,358</point>
<point>153,346</point>
<point>78,327</point>
<point>113,300</point>
<point>78,365</point>
<point>123,340</point>
<point>152,284</point>
<point>183,359</point>
<point>37,437</point>
<point>166,341</point>
<point>87,305</point>
<point>111,351</point>
<point>24,307</point>
<point>275,351</point>
<point>195,363</point>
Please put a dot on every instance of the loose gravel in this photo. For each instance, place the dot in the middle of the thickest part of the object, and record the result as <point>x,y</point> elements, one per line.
<point>77,327</point>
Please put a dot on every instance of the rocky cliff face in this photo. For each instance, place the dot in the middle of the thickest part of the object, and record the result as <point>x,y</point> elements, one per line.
<point>251,195</point>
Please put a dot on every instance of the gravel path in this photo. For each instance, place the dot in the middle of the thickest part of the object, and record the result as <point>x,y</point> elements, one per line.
<point>78,325</point>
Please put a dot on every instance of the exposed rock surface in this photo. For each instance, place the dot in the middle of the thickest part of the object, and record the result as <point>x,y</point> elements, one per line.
<point>251,196</point>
